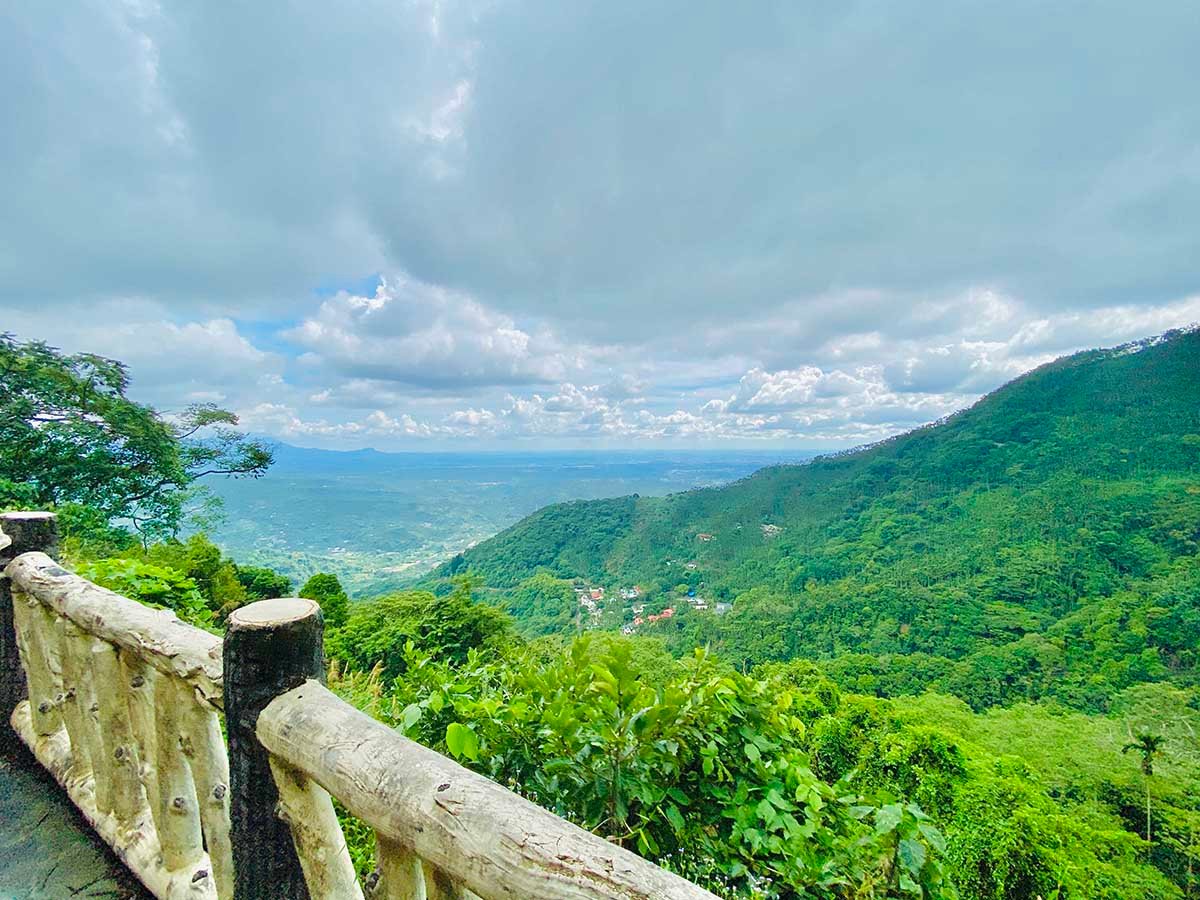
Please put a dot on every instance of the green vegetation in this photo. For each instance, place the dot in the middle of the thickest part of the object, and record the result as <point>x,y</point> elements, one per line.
<point>330,596</point>
<point>958,664</point>
<point>69,435</point>
<point>1041,544</point>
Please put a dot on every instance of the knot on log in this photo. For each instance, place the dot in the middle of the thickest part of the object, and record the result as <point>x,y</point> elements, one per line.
<point>219,792</point>
<point>137,681</point>
<point>119,753</point>
<point>200,875</point>
<point>179,804</point>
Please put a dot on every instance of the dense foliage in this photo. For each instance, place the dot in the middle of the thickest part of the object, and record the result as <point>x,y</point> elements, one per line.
<point>1041,544</point>
<point>779,784</point>
<point>329,594</point>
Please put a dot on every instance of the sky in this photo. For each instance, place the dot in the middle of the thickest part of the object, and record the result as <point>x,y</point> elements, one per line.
<point>428,224</point>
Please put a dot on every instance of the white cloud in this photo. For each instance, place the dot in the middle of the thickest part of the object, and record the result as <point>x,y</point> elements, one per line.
<point>420,334</point>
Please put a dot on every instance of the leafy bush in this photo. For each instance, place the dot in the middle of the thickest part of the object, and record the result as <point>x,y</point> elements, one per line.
<point>153,585</point>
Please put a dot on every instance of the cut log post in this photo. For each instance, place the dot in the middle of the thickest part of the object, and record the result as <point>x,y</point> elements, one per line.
<point>204,746</point>
<point>19,533</point>
<point>271,647</point>
<point>317,834</point>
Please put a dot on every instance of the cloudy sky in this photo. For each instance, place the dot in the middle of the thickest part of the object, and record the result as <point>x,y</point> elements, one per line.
<point>430,223</point>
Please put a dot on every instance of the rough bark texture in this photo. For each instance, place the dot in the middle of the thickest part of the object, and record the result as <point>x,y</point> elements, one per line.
<point>270,647</point>
<point>481,835</point>
<point>19,533</point>
<point>155,635</point>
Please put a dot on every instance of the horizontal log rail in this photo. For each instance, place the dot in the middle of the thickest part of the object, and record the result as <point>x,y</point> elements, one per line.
<point>434,817</point>
<point>157,636</point>
<point>124,706</point>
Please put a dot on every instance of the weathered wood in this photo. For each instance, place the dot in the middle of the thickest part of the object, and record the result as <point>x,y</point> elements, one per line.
<point>137,847</point>
<point>139,678</point>
<point>77,661</point>
<point>439,885</point>
<point>204,746</point>
<point>178,811</point>
<point>270,647</point>
<point>84,746</point>
<point>398,871</point>
<point>155,635</point>
<point>320,845</point>
<point>483,836</point>
<point>120,759</point>
<point>45,688</point>
<point>19,533</point>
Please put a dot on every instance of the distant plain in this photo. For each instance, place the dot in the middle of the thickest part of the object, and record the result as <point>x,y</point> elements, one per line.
<point>379,520</point>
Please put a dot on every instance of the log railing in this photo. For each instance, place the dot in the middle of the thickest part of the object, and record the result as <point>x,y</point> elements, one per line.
<point>124,707</point>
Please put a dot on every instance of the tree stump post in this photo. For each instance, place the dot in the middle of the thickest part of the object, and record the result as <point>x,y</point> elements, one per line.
<point>271,647</point>
<point>26,531</point>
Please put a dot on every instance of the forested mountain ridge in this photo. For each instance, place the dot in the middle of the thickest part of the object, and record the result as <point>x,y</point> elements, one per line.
<point>1041,542</point>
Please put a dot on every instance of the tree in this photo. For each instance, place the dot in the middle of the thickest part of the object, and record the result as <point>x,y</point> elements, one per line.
<point>262,583</point>
<point>69,433</point>
<point>330,596</point>
<point>1149,747</point>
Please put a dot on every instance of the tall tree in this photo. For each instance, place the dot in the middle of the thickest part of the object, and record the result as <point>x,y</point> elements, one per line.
<point>1149,748</point>
<point>69,434</point>
<point>330,596</point>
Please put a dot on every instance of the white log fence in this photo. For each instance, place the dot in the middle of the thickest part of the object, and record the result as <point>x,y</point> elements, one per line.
<point>124,707</point>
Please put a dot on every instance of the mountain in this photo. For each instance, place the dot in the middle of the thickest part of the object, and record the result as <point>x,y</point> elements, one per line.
<point>1042,542</point>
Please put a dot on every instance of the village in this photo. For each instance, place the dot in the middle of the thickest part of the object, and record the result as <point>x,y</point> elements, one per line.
<point>594,600</point>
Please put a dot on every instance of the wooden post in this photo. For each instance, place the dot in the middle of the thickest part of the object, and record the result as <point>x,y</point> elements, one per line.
<point>25,531</point>
<point>271,647</point>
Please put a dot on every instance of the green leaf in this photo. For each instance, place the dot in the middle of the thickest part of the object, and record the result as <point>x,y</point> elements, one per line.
<point>912,854</point>
<point>462,741</point>
<point>675,818</point>
<point>752,752</point>
<point>765,811</point>
<point>887,818</point>
<point>410,717</point>
<point>935,838</point>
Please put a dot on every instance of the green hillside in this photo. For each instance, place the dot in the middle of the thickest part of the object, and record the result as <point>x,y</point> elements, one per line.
<point>1041,543</point>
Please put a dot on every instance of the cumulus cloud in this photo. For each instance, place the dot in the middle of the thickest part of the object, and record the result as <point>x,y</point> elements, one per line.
<point>425,335</point>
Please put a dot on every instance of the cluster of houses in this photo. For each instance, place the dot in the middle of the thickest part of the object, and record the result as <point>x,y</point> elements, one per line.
<point>591,601</point>
<point>640,619</point>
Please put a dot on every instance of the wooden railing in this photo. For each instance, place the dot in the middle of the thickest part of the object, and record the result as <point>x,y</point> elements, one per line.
<point>124,707</point>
